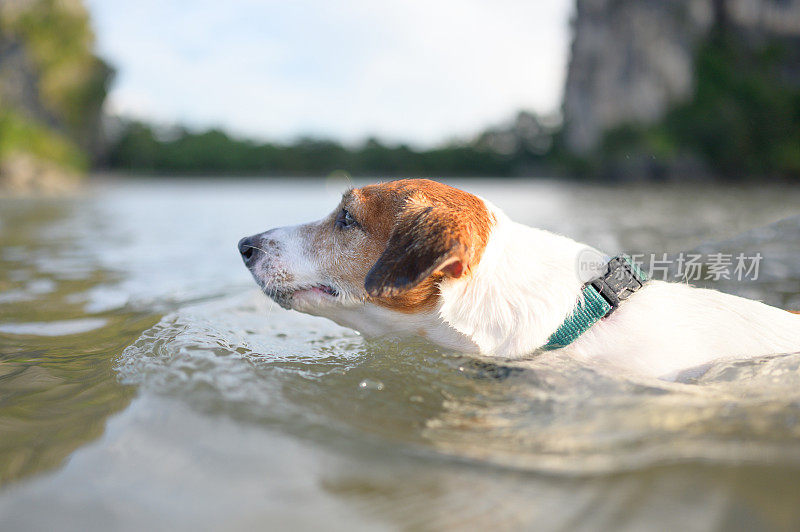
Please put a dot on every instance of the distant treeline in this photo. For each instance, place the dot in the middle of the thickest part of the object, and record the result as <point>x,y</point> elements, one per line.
<point>741,123</point>
<point>519,148</point>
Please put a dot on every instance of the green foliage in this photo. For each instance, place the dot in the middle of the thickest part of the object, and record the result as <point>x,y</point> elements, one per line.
<point>142,148</point>
<point>18,135</point>
<point>744,118</point>
<point>742,121</point>
<point>73,81</point>
<point>62,123</point>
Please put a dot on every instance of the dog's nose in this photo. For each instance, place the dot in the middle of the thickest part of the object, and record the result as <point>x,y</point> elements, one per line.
<point>247,248</point>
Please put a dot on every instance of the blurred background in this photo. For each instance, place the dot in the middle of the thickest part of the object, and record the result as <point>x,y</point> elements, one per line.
<point>146,383</point>
<point>592,90</point>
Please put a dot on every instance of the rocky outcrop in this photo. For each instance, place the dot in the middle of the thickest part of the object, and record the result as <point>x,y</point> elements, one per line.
<point>19,81</point>
<point>22,173</point>
<point>52,89</point>
<point>632,59</point>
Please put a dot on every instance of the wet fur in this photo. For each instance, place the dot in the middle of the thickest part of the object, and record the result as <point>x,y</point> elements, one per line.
<point>431,260</point>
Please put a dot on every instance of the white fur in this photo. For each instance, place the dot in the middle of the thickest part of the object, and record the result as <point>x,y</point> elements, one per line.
<point>527,283</point>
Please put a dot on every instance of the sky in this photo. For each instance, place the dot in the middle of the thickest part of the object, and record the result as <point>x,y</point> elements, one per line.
<point>420,72</point>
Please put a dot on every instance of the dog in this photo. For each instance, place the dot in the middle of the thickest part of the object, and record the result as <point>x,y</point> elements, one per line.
<point>418,257</point>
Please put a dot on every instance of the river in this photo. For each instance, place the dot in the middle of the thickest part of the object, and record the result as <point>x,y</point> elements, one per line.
<point>145,383</point>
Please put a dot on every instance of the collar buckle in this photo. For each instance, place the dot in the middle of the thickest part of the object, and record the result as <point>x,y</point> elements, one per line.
<point>619,281</point>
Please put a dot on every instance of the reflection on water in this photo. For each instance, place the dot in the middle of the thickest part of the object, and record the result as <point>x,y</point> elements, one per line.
<point>56,379</point>
<point>258,415</point>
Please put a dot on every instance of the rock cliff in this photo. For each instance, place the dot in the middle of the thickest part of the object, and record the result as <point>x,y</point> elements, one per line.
<point>52,88</point>
<point>632,59</point>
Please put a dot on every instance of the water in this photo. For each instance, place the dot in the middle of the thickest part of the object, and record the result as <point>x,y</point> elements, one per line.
<point>145,383</point>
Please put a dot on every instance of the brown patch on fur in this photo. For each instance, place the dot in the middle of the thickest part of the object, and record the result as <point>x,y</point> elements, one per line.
<point>795,311</point>
<point>422,231</point>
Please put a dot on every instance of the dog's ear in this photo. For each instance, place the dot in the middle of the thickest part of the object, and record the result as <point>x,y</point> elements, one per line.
<point>424,240</point>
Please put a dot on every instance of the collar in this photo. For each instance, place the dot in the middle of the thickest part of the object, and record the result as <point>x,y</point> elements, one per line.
<point>600,298</point>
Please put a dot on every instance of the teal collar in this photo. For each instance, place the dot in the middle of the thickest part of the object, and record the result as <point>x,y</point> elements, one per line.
<point>599,298</point>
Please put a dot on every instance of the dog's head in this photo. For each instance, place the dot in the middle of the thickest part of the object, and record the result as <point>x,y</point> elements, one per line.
<point>389,244</point>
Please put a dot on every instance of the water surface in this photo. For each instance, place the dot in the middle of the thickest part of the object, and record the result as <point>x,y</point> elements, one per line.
<point>144,381</point>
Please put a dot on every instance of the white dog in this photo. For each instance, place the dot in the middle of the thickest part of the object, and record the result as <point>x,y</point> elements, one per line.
<point>416,257</point>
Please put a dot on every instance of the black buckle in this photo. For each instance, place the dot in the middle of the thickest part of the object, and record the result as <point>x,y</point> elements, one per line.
<point>619,281</point>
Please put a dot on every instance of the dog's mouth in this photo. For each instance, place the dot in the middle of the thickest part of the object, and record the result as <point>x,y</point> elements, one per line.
<point>284,295</point>
<point>319,288</point>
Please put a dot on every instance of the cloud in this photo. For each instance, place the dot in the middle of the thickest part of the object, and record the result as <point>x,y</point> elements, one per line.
<point>405,70</point>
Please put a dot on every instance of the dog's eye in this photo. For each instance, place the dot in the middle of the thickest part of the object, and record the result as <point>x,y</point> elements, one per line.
<point>345,220</point>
